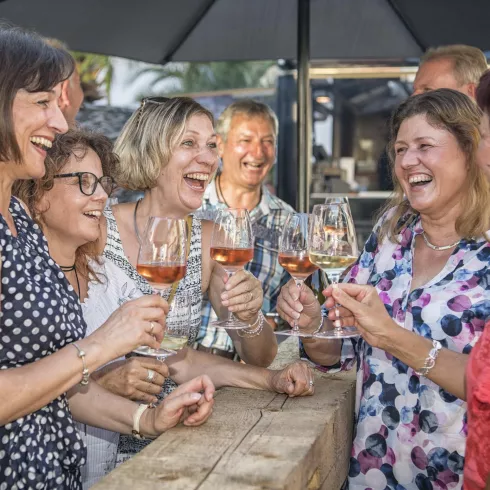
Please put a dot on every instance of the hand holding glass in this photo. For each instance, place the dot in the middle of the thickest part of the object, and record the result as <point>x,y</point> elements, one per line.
<point>293,256</point>
<point>162,260</point>
<point>232,245</point>
<point>333,248</point>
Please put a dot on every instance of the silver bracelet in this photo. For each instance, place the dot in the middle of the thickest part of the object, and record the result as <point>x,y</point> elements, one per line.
<point>85,373</point>
<point>253,332</point>
<point>430,362</point>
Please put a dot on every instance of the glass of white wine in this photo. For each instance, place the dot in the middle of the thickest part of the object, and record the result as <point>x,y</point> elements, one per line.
<point>333,248</point>
<point>178,323</point>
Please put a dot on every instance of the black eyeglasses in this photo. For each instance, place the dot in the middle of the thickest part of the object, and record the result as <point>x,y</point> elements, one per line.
<point>149,100</point>
<point>88,182</point>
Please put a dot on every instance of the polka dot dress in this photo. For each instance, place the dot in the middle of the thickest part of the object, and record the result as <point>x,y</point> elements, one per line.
<point>39,315</point>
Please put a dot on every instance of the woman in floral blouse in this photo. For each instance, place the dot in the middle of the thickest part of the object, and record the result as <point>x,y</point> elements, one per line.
<point>420,288</point>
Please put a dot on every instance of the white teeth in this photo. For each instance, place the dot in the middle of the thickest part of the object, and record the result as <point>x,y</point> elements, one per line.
<point>97,214</point>
<point>255,165</point>
<point>419,178</point>
<point>198,176</point>
<point>38,140</point>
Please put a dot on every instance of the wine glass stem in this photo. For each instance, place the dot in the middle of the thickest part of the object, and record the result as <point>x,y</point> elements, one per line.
<point>299,283</point>
<point>337,322</point>
<point>231,318</point>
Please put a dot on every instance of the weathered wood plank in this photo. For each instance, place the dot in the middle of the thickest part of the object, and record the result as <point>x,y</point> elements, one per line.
<point>254,440</point>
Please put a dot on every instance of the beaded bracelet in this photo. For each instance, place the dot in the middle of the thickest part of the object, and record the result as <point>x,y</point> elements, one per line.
<point>430,362</point>
<point>253,332</point>
<point>85,373</point>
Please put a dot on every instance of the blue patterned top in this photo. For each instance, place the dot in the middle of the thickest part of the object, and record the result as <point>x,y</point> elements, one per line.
<point>410,433</point>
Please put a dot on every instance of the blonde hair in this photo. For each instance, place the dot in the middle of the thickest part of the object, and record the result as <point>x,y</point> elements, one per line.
<point>249,108</point>
<point>469,62</point>
<point>456,113</point>
<point>147,140</point>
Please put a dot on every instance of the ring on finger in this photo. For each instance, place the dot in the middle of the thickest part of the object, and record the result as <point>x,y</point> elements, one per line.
<point>251,296</point>
<point>311,383</point>
<point>152,326</point>
<point>150,375</point>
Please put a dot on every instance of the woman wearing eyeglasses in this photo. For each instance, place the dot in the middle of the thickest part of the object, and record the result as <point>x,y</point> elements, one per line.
<point>43,352</point>
<point>67,204</point>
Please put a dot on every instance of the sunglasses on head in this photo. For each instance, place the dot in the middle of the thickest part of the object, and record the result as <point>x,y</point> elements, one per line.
<point>149,100</point>
<point>88,182</point>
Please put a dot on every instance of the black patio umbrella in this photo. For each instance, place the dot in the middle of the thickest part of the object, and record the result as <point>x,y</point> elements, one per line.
<point>159,31</point>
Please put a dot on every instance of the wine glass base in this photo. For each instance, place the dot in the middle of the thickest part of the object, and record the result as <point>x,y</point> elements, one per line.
<point>294,333</point>
<point>160,354</point>
<point>345,333</point>
<point>230,324</point>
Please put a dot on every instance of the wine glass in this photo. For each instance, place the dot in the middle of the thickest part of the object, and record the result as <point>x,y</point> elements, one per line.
<point>333,248</point>
<point>293,256</point>
<point>232,245</point>
<point>178,323</point>
<point>162,261</point>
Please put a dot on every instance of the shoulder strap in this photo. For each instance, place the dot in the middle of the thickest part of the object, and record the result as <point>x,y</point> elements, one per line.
<point>175,285</point>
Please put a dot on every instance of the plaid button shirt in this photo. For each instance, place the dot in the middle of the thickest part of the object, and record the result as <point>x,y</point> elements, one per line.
<point>268,219</point>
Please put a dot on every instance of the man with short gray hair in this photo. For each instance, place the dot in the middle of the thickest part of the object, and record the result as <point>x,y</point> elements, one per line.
<point>247,139</point>
<point>455,66</point>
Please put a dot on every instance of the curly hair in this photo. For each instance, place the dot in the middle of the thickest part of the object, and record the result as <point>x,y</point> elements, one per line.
<point>459,115</point>
<point>75,143</point>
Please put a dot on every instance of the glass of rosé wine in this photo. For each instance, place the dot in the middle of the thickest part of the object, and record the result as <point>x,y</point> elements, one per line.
<point>293,256</point>
<point>232,246</point>
<point>162,260</point>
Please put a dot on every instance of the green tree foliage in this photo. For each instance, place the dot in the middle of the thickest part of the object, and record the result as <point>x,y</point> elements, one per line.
<point>203,77</point>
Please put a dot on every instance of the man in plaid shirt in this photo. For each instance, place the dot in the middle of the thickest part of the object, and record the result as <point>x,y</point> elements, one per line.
<point>247,136</point>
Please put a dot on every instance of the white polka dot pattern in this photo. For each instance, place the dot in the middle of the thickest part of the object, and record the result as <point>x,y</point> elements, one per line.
<point>40,314</point>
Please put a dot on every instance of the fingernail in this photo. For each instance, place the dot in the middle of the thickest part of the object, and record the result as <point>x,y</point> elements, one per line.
<point>224,296</point>
<point>296,315</point>
<point>195,396</point>
<point>335,285</point>
<point>225,303</point>
<point>300,307</point>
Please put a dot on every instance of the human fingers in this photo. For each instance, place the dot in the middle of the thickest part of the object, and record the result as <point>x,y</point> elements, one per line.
<point>158,366</point>
<point>200,415</point>
<point>245,286</point>
<point>148,301</point>
<point>147,387</point>
<point>238,277</point>
<point>300,378</point>
<point>339,312</point>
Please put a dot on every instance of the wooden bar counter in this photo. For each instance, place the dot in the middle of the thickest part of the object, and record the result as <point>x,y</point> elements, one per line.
<point>254,440</point>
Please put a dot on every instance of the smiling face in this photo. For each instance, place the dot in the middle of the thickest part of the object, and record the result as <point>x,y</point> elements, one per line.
<point>67,213</point>
<point>249,150</point>
<point>483,154</point>
<point>37,119</point>
<point>430,166</point>
<point>192,164</point>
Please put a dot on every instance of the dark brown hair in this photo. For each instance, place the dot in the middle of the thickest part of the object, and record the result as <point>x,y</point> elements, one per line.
<point>76,143</point>
<point>483,93</point>
<point>456,113</point>
<point>27,62</point>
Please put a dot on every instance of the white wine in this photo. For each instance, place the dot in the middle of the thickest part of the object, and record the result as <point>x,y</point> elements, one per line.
<point>332,265</point>
<point>174,342</point>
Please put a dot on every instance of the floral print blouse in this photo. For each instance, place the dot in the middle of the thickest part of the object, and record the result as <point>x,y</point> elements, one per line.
<point>410,433</point>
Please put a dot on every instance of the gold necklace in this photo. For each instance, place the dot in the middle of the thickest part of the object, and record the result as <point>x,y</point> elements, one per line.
<point>435,247</point>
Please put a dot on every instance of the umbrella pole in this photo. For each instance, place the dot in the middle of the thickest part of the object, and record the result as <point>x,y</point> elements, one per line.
<point>303,106</point>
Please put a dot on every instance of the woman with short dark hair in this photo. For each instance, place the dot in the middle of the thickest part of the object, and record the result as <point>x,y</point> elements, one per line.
<point>43,352</point>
